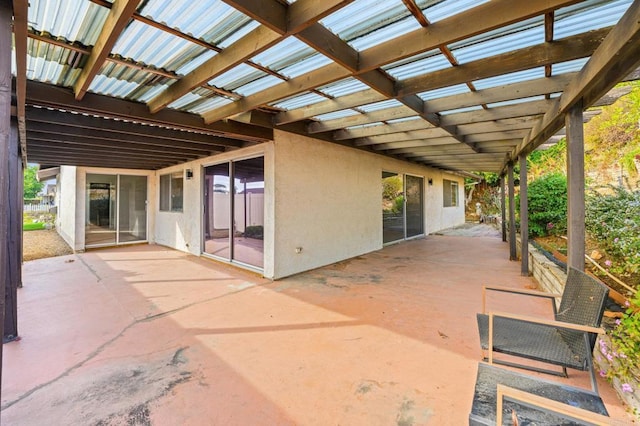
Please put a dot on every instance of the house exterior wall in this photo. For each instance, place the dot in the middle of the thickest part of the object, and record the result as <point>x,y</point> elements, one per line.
<point>66,217</point>
<point>328,202</point>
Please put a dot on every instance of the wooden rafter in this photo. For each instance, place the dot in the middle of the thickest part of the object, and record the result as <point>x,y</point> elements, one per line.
<point>20,14</point>
<point>119,16</point>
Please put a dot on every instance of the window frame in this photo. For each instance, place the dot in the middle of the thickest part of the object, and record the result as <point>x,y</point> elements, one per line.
<point>167,201</point>
<point>453,188</point>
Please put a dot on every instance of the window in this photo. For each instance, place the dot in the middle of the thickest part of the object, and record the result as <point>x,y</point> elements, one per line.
<point>171,192</point>
<point>450,193</point>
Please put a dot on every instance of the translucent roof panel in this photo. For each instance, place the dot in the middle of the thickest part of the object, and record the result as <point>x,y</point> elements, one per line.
<point>237,76</point>
<point>74,20</point>
<point>196,62</point>
<point>514,77</point>
<point>381,35</point>
<point>258,85</point>
<point>363,17</point>
<point>335,115</point>
<point>445,91</point>
<point>287,52</point>
<point>459,110</point>
<point>401,120</point>
<point>211,20</point>
<point>391,103</point>
<point>233,37</point>
<point>495,46</point>
<point>419,67</point>
<point>307,65</point>
<point>299,101</point>
<point>447,8</point>
<point>144,43</point>
<point>590,15</point>
<point>145,94</point>
<point>515,101</point>
<point>343,87</point>
<point>569,66</point>
<point>192,101</point>
<point>112,86</point>
<point>53,64</point>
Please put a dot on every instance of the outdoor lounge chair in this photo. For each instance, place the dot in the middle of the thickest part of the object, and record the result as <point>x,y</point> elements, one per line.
<point>567,341</point>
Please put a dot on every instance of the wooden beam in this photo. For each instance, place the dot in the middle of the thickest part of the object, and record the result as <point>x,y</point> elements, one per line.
<point>57,148</point>
<point>524,219</point>
<point>512,213</point>
<point>575,188</point>
<point>498,113</point>
<point>381,129</point>
<point>499,135</point>
<point>517,123</point>
<point>43,94</point>
<point>119,16</point>
<point>480,19</point>
<point>20,29</point>
<point>574,47</point>
<point>360,119</point>
<point>616,57</point>
<point>427,134</point>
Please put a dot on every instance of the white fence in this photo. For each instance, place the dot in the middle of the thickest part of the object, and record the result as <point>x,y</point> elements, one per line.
<point>42,207</point>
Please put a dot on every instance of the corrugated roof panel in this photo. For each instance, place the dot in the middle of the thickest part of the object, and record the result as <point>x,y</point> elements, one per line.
<point>514,77</point>
<point>569,66</point>
<point>419,67</point>
<point>343,87</point>
<point>52,64</point>
<point>192,101</point>
<point>515,101</point>
<point>363,126</point>
<point>145,94</point>
<point>363,17</point>
<point>445,9</point>
<point>336,115</point>
<point>112,86</point>
<point>459,110</point>
<point>381,35</point>
<point>207,104</point>
<point>285,53</point>
<point>211,20</point>
<point>299,101</point>
<point>445,91</point>
<point>75,20</point>
<point>237,35</point>
<point>502,44</point>
<point>401,120</point>
<point>258,85</point>
<point>307,65</point>
<point>150,45</point>
<point>237,76</point>
<point>196,62</point>
<point>589,15</point>
<point>377,106</point>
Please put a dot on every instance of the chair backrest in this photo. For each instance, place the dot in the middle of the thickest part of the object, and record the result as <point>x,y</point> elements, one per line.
<point>583,301</point>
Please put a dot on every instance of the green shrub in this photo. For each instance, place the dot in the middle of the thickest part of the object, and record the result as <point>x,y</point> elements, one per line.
<point>614,221</point>
<point>33,226</point>
<point>256,232</point>
<point>547,205</point>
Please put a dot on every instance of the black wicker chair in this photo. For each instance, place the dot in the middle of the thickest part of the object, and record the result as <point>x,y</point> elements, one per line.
<point>567,341</point>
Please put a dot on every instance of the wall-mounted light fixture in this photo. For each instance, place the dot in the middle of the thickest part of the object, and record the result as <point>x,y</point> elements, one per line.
<point>430,181</point>
<point>188,174</point>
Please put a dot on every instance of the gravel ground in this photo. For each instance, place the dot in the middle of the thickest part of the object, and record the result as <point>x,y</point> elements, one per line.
<point>41,244</point>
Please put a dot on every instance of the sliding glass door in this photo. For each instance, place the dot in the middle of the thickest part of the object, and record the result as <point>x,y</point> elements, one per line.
<point>116,209</point>
<point>402,206</point>
<point>234,211</point>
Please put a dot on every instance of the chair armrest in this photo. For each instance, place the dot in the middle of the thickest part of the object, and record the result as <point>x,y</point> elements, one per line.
<point>569,411</point>
<point>523,292</point>
<point>544,322</point>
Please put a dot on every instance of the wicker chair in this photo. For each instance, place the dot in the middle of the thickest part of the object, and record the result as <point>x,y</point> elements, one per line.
<point>567,341</point>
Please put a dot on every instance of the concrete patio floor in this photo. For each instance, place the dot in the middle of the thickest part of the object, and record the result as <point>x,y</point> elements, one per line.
<point>148,335</point>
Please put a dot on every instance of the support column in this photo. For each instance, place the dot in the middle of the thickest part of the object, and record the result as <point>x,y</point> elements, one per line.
<point>503,208</point>
<point>6,15</point>
<point>524,218</point>
<point>14,243</point>
<point>513,255</point>
<point>575,188</point>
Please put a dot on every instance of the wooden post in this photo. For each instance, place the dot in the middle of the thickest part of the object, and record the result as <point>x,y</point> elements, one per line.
<point>524,218</point>
<point>503,207</point>
<point>575,188</point>
<point>513,255</point>
<point>14,207</point>
<point>6,15</point>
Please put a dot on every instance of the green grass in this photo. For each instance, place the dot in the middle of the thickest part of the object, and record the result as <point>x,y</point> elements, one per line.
<point>32,226</point>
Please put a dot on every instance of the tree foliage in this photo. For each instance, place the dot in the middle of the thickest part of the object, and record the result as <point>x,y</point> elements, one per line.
<point>547,205</point>
<point>31,185</point>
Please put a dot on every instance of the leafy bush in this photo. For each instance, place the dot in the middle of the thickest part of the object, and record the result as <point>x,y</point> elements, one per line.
<point>614,221</point>
<point>33,226</point>
<point>547,202</point>
<point>256,232</point>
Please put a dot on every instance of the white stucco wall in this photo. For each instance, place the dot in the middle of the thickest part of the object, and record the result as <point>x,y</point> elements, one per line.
<point>66,218</point>
<point>328,202</point>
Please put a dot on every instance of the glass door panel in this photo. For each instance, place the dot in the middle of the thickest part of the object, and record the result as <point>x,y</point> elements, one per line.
<point>100,223</point>
<point>414,192</point>
<point>392,207</point>
<point>217,211</point>
<point>248,211</point>
<point>132,209</point>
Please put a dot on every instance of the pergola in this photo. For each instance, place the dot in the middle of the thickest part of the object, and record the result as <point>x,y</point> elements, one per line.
<point>458,85</point>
